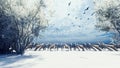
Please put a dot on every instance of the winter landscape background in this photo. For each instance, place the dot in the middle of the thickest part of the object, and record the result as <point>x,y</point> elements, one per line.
<point>32,22</point>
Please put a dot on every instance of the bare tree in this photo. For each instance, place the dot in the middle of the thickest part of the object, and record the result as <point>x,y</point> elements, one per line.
<point>108,17</point>
<point>27,21</point>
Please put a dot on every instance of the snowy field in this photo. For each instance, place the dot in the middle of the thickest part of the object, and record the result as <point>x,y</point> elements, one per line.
<point>62,59</point>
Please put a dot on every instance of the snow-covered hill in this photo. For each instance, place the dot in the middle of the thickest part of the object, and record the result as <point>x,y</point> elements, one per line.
<point>62,59</point>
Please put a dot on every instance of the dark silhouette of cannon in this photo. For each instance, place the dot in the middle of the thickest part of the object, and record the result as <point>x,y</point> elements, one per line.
<point>79,47</point>
<point>110,47</point>
<point>40,47</point>
<point>52,46</point>
<point>65,46</point>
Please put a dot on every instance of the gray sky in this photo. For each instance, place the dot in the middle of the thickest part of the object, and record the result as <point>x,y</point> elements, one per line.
<point>70,21</point>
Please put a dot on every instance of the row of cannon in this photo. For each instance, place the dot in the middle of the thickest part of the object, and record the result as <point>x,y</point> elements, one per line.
<point>70,47</point>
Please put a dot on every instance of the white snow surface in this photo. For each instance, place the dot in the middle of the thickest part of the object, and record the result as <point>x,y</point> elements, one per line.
<point>62,59</point>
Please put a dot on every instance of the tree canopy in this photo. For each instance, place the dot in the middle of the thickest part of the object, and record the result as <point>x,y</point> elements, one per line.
<point>108,17</point>
<point>20,23</point>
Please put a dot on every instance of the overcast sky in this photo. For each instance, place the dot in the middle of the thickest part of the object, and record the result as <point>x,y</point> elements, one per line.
<point>71,21</point>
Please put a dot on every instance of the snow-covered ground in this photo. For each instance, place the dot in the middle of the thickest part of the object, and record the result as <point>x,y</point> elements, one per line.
<point>62,59</point>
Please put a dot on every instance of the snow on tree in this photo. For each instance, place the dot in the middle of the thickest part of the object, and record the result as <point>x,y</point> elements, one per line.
<point>20,21</point>
<point>108,16</point>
